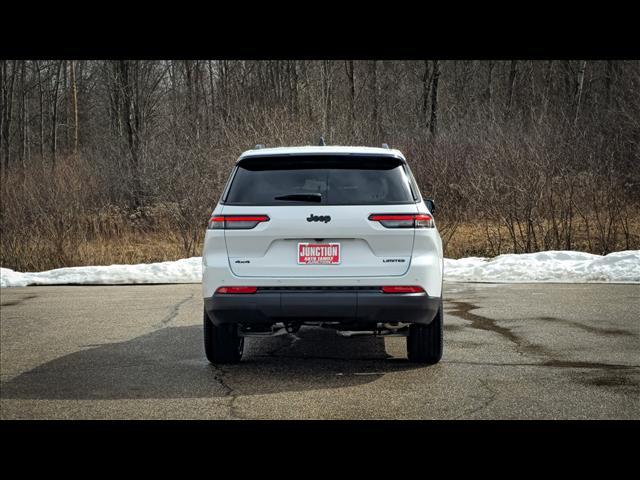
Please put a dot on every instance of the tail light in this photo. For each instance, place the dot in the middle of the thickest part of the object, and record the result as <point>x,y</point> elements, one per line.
<point>402,289</point>
<point>226,290</point>
<point>236,222</point>
<point>409,220</point>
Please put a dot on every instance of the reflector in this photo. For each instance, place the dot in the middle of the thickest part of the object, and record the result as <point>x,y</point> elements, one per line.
<point>402,289</point>
<point>227,290</point>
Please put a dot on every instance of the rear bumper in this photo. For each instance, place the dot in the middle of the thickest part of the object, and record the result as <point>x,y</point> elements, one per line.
<point>362,306</point>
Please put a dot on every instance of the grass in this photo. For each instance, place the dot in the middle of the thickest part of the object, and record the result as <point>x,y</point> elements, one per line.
<point>134,245</point>
<point>131,248</point>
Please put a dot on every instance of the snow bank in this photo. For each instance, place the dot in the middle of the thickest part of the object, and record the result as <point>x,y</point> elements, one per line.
<point>187,270</point>
<point>552,266</point>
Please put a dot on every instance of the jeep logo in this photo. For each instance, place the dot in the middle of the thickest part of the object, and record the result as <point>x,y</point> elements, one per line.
<point>315,218</point>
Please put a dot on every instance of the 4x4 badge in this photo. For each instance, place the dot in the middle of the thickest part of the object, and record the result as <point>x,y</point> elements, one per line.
<point>315,218</point>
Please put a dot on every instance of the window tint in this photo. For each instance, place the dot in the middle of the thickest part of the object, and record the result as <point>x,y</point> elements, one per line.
<point>328,180</point>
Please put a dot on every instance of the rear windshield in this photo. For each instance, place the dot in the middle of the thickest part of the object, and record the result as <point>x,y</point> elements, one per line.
<point>327,180</point>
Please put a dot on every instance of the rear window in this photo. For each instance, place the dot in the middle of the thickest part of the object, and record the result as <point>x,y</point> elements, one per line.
<point>326,180</point>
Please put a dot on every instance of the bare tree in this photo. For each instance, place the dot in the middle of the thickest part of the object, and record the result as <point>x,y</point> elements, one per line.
<point>374,94</point>
<point>510,87</point>
<point>74,106</point>
<point>547,88</point>
<point>8,80</point>
<point>147,145</point>
<point>578,95</point>
<point>609,82</point>
<point>41,105</point>
<point>294,86</point>
<point>426,91</point>
<point>352,94</point>
<point>433,122</point>
<point>54,116</point>
<point>488,87</point>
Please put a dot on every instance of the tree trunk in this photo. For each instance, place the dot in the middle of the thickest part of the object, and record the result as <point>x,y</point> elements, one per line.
<point>578,98</point>
<point>293,87</point>
<point>23,115</point>
<point>188,76</point>
<point>488,90</point>
<point>609,82</point>
<point>352,96</point>
<point>213,93</point>
<point>54,117</point>
<point>223,83</point>
<point>74,106</point>
<point>3,107</point>
<point>433,123</point>
<point>326,101</point>
<point>547,89</point>
<point>41,97</point>
<point>304,70</point>
<point>115,102</point>
<point>197,97</point>
<point>426,91</point>
<point>374,78</point>
<point>7,111</point>
<point>67,106</point>
<point>131,120</point>
<point>510,88</point>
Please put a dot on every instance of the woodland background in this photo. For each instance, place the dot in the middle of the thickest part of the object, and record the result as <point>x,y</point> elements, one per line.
<point>122,161</point>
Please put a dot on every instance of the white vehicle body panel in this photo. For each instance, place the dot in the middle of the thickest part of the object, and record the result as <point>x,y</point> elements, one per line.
<point>372,255</point>
<point>367,248</point>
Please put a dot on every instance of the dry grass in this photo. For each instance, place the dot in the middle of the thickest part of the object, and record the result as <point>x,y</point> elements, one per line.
<point>131,248</point>
<point>471,240</point>
<point>138,248</point>
<point>136,245</point>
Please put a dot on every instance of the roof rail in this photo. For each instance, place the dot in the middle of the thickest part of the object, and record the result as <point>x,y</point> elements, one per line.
<point>258,146</point>
<point>321,144</point>
<point>384,145</point>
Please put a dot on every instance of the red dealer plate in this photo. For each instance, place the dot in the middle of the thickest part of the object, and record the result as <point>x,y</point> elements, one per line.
<point>318,253</point>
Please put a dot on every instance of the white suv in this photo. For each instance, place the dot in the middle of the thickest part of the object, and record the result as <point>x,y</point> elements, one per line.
<point>332,236</point>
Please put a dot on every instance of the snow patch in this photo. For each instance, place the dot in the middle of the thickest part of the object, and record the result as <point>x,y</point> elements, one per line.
<point>186,270</point>
<point>551,266</point>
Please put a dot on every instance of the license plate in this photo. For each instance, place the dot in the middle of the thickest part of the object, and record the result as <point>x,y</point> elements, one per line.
<point>318,253</point>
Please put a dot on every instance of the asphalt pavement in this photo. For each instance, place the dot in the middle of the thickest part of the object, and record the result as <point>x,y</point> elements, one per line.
<point>522,351</point>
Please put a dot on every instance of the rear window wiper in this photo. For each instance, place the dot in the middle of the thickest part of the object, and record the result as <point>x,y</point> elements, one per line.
<point>301,197</point>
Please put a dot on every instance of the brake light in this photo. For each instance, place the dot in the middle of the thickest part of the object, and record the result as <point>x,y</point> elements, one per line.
<point>226,290</point>
<point>402,289</point>
<point>236,222</point>
<point>410,220</point>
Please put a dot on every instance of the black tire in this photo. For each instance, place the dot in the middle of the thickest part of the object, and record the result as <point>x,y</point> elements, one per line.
<point>424,343</point>
<point>222,344</point>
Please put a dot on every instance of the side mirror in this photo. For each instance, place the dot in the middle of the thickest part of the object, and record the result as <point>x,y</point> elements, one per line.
<point>431,205</point>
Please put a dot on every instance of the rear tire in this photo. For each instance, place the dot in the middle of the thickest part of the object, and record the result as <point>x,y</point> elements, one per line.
<point>424,343</point>
<point>222,344</point>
